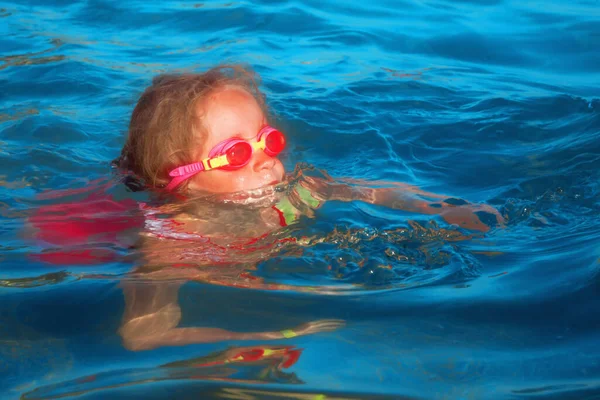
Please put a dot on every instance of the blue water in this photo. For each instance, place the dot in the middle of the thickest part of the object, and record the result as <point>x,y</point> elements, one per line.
<point>493,101</point>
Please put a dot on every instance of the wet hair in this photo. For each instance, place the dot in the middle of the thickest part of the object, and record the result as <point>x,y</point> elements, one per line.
<point>165,131</point>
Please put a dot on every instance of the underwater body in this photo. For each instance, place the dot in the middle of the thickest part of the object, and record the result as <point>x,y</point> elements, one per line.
<point>491,101</point>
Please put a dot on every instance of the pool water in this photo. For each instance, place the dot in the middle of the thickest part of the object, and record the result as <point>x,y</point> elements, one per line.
<point>491,101</point>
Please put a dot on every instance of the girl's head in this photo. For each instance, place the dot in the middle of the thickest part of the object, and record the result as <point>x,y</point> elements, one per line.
<point>179,119</point>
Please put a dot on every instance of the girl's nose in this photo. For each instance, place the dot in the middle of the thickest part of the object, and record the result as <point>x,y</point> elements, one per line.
<point>262,161</point>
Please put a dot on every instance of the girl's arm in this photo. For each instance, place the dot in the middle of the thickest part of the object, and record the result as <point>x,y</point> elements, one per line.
<point>152,315</point>
<point>479,217</point>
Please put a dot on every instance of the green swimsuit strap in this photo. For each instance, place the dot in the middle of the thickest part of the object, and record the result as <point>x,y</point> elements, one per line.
<point>286,210</point>
<point>307,197</point>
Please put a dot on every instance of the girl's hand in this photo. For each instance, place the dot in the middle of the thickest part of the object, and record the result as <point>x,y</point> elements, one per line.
<point>479,217</point>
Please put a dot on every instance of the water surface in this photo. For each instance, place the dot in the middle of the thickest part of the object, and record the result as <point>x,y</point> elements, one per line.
<point>493,101</point>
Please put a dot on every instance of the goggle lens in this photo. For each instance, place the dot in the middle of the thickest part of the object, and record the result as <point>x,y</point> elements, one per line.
<point>239,154</point>
<point>274,142</point>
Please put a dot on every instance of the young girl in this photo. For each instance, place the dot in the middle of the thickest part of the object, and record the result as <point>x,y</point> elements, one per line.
<point>207,141</point>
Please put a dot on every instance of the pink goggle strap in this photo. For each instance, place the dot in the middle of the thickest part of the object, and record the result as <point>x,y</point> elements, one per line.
<point>222,147</point>
<point>180,174</point>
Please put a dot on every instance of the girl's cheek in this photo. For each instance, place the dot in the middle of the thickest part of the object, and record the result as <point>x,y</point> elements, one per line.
<point>239,181</point>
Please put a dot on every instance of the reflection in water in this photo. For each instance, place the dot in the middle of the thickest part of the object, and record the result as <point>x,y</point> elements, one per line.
<point>244,366</point>
<point>51,278</point>
<point>21,114</point>
<point>33,58</point>
<point>250,364</point>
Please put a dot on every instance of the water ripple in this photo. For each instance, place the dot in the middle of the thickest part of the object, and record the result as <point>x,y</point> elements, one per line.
<point>494,101</point>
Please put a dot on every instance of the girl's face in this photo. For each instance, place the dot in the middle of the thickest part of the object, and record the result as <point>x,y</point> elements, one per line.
<point>233,112</point>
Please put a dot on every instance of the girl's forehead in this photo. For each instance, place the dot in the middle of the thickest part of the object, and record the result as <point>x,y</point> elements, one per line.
<point>227,104</point>
<point>230,111</point>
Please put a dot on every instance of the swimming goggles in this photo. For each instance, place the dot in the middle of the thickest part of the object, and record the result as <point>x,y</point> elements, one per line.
<point>231,154</point>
